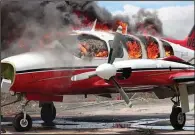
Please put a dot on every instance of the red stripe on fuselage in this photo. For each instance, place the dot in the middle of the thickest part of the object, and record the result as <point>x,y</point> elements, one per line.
<point>59,81</point>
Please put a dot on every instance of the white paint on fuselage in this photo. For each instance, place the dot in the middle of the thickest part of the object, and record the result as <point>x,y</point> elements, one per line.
<point>182,52</point>
<point>40,59</point>
<point>148,63</point>
<point>54,58</point>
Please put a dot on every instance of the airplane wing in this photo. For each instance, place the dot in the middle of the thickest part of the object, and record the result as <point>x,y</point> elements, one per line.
<point>184,77</point>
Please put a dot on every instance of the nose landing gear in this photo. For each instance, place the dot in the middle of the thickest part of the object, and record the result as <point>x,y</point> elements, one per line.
<point>22,121</point>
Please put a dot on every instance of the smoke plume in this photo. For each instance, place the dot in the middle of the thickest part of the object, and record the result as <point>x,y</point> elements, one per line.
<point>33,20</point>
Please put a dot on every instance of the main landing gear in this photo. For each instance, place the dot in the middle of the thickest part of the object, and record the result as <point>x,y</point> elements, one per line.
<point>48,112</point>
<point>177,117</point>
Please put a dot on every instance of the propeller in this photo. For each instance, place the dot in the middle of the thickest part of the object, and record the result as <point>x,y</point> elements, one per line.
<point>107,71</point>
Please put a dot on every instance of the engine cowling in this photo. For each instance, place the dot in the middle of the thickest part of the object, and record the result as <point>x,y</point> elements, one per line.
<point>106,71</point>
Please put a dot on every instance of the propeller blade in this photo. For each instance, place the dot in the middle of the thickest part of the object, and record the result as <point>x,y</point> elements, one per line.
<point>110,55</point>
<point>122,92</point>
<point>115,47</point>
<point>83,76</point>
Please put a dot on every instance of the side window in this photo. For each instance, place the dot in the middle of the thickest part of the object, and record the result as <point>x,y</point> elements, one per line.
<point>92,46</point>
<point>151,46</point>
<point>168,48</point>
<point>120,53</point>
<point>133,48</point>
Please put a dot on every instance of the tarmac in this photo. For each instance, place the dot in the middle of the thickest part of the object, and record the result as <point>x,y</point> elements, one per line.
<point>147,116</point>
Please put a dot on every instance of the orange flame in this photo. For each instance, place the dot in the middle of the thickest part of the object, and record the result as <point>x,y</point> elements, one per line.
<point>84,51</point>
<point>102,54</point>
<point>168,52</point>
<point>123,25</point>
<point>152,50</point>
<point>103,27</point>
<point>134,50</point>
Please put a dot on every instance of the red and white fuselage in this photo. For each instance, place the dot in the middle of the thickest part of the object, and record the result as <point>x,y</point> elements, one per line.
<point>46,75</point>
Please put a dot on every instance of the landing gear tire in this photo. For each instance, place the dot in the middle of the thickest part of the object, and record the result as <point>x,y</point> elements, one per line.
<point>177,118</point>
<point>20,124</point>
<point>48,113</point>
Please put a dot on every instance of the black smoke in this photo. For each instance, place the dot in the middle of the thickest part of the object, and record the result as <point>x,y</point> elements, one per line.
<point>31,19</point>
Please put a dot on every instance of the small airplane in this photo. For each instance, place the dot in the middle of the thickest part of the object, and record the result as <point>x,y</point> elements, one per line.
<point>120,62</point>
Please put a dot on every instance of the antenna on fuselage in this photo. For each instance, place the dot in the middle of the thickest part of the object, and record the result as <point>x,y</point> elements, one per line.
<point>94,24</point>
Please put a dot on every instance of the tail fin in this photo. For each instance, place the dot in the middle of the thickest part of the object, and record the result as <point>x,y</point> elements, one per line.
<point>190,40</point>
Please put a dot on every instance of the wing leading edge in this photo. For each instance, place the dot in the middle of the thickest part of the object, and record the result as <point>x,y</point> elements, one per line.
<point>184,78</point>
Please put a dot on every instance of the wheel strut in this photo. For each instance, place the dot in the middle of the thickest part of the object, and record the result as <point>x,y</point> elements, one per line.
<point>23,108</point>
<point>176,102</point>
<point>22,121</point>
<point>177,118</point>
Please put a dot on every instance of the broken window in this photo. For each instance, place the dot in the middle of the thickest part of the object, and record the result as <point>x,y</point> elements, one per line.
<point>151,46</point>
<point>168,49</point>
<point>92,46</point>
<point>133,48</point>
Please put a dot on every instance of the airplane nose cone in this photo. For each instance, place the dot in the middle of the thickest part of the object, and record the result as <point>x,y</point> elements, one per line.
<point>106,71</point>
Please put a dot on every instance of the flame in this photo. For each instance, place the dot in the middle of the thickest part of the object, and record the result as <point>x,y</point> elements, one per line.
<point>102,54</point>
<point>123,25</point>
<point>168,51</point>
<point>103,27</point>
<point>84,50</point>
<point>152,50</point>
<point>100,26</point>
<point>134,50</point>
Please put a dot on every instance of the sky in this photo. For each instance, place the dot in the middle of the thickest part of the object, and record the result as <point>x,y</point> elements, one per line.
<point>177,16</point>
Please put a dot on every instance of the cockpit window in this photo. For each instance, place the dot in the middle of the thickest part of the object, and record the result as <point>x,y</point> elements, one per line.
<point>92,46</point>
<point>168,49</point>
<point>120,53</point>
<point>151,46</point>
<point>133,48</point>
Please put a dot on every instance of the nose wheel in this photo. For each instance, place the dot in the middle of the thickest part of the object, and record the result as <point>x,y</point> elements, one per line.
<point>22,124</point>
<point>22,121</point>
